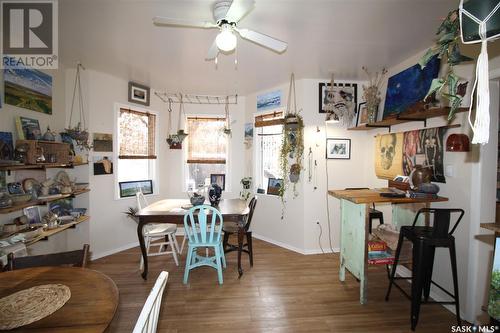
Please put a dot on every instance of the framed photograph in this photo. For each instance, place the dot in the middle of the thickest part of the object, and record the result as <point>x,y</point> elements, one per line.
<point>362,116</point>
<point>269,100</point>
<point>219,179</point>
<point>338,149</point>
<point>33,214</point>
<point>274,185</point>
<point>138,93</point>
<point>103,142</point>
<point>344,96</point>
<point>28,129</point>
<point>129,189</point>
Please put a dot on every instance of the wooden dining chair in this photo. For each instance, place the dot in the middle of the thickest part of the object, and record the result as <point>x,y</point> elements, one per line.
<point>203,225</point>
<point>232,228</point>
<point>78,258</point>
<point>158,231</point>
<point>148,318</point>
<point>373,214</point>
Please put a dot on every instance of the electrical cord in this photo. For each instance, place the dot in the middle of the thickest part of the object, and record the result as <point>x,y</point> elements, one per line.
<point>319,238</point>
<point>327,202</point>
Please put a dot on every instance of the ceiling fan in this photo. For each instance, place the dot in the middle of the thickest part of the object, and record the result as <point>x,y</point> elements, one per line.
<point>227,14</point>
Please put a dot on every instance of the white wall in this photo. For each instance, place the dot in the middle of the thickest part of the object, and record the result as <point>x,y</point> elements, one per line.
<point>111,230</point>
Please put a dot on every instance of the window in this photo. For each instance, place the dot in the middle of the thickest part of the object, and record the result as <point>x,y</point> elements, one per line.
<point>207,150</point>
<point>136,131</point>
<point>269,129</point>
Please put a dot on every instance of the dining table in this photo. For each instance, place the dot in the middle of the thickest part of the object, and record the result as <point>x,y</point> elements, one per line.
<point>91,307</point>
<point>173,211</point>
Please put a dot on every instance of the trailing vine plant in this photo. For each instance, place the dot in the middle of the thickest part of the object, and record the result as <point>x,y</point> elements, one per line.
<point>292,148</point>
<point>447,47</point>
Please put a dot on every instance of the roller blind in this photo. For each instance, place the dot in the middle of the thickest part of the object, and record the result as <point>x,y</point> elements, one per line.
<point>269,119</point>
<point>136,134</point>
<point>207,142</point>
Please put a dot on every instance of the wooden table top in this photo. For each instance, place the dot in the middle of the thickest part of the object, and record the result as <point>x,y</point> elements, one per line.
<point>373,195</point>
<point>93,302</point>
<point>173,207</point>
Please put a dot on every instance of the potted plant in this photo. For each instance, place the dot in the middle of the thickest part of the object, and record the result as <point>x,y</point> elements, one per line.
<point>447,48</point>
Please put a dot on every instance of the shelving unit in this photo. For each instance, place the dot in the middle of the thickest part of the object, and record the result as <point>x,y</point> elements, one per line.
<point>39,166</point>
<point>46,234</point>
<point>39,202</point>
<point>412,114</point>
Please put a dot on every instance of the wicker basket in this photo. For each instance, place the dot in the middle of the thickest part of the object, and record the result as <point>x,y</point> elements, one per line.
<point>59,150</point>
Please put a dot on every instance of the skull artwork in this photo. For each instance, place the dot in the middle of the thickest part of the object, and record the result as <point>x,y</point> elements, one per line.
<point>387,150</point>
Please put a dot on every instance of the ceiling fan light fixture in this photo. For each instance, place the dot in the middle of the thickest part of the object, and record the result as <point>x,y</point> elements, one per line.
<point>226,40</point>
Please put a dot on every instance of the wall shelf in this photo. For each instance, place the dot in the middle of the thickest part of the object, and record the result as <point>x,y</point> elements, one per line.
<point>39,202</point>
<point>412,114</point>
<point>46,234</point>
<point>41,166</point>
<point>491,226</point>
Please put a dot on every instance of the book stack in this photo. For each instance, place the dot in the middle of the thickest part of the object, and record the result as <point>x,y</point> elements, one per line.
<point>418,195</point>
<point>379,254</point>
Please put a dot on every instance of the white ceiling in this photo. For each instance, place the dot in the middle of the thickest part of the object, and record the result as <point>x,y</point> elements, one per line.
<point>118,37</point>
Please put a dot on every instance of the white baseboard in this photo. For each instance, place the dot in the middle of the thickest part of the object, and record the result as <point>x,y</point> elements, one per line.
<point>293,248</point>
<point>403,271</point>
<point>113,251</point>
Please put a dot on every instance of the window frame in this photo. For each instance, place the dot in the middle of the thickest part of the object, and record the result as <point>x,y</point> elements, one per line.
<point>257,152</point>
<point>153,163</point>
<point>185,155</point>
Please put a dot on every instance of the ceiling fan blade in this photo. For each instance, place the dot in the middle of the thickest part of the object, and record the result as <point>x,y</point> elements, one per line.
<point>158,20</point>
<point>264,40</point>
<point>212,52</point>
<point>238,9</point>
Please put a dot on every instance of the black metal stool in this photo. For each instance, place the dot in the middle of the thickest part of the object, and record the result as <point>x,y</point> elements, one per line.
<point>425,240</point>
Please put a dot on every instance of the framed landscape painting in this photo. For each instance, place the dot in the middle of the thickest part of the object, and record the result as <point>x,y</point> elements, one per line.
<point>129,189</point>
<point>28,89</point>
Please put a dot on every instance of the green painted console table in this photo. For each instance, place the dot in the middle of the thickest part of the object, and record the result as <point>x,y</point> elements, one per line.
<point>354,205</point>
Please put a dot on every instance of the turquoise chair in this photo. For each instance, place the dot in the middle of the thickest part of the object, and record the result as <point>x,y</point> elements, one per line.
<point>203,233</point>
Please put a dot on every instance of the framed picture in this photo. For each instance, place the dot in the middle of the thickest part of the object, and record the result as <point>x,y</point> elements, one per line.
<point>28,129</point>
<point>33,214</point>
<point>219,179</point>
<point>28,89</point>
<point>344,96</point>
<point>138,93</point>
<point>362,116</point>
<point>274,185</point>
<point>6,146</point>
<point>129,189</point>
<point>338,149</point>
<point>409,87</point>
<point>103,165</point>
<point>103,142</point>
<point>269,100</point>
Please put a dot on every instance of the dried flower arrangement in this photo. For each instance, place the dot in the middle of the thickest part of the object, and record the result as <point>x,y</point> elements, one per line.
<point>371,92</point>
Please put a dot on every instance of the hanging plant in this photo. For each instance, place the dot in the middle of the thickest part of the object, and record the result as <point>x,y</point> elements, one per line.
<point>174,141</point>
<point>79,132</point>
<point>447,48</point>
<point>292,147</point>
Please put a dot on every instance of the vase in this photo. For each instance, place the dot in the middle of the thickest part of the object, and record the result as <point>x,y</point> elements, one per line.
<point>371,111</point>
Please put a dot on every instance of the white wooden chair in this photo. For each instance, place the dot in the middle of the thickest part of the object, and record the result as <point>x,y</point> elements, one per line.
<point>148,319</point>
<point>158,231</point>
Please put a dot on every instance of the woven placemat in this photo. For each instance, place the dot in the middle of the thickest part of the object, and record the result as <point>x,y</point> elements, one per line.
<point>29,305</point>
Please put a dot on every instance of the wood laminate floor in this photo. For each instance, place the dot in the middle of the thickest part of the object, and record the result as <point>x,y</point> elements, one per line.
<point>283,292</point>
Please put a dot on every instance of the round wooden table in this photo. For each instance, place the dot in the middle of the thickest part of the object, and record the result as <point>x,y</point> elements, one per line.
<point>93,302</point>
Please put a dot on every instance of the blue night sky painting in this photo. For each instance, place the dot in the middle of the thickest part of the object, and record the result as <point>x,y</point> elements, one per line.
<point>409,86</point>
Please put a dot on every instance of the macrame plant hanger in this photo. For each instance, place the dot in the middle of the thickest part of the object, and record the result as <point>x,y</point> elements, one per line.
<point>79,132</point>
<point>481,124</point>
<point>172,140</point>
<point>227,127</point>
